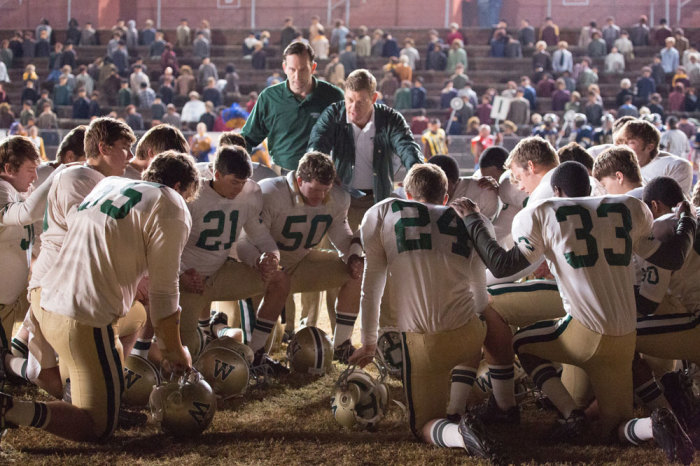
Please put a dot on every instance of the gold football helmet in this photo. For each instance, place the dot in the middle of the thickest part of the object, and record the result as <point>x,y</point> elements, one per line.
<point>310,352</point>
<point>140,377</point>
<point>225,370</point>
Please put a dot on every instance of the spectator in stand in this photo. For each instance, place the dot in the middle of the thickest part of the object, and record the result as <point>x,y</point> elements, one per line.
<point>680,76</point>
<point>574,102</point>
<point>597,48</point>
<point>134,119</point>
<point>549,32</point>
<point>232,80</point>
<point>55,62</point>
<point>510,91</point>
<point>166,90</point>
<point>43,99</point>
<point>157,47</point>
<point>685,56</point>
<point>120,27</point>
<point>625,90</point>
<point>4,76</point>
<point>562,59</point>
<point>670,57</point>
<point>313,27</point>
<point>111,87</point>
<point>418,94</point>
<point>529,92</point>
<point>47,119</point>
<point>249,45</point>
<point>169,59</point>
<point>15,45</point>
<point>479,143</point>
<point>655,105</point>
<point>673,140</point>
<point>148,34</point>
<point>186,82</point>
<point>526,33</point>
<point>201,46</point>
<point>84,80</point>
<point>586,75</point>
<point>28,45</point>
<point>43,46</point>
<point>639,33</point>
<point>402,70</point>
<point>409,50</point>
<point>627,108</point>
<point>434,139</point>
<point>436,60</point>
<point>252,100</point>
<point>182,34</point>
<point>258,60</point>
<point>81,106</point>
<point>26,113</point>
<point>204,28</point>
<point>561,96</point>
<point>519,111</point>
<point>339,35</point>
<point>363,45</point>
<point>614,62</point>
<point>483,111</point>
<point>3,95</point>
<point>457,55</point>
<point>209,116</point>
<point>541,58</point>
<point>320,44</point>
<point>349,59</point>
<point>419,122</point>
<point>212,94</point>
<point>120,58</point>
<point>171,116</point>
<point>691,103</point>
<point>447,93</point>
<point>433,38</point>
<point>125,96</point>
<point>73,32</point>
<point>625,46</point>
<point>208,70</point>
<point>30,74</point>
<point>137,78</point>
<point>388,85</point>
<point>6,115</point>
<point>146,96</point>
<point>6,55</point>
<point>132,35</point>
<point>113,44</point>
<point>70,77</point>
<point>610,32</point>
<point>193,109</point>
<point>335,71</point>
<point>377,43</point>
<point>547,86</point>
<point>662,32</point>
<point>38,141</point>
<point>288,33</point>
<point>676,98</point>
<point>513,47</point>
<point>157,109</point>
<point>498,43</point>
<point>687,126</point>
<point>585,36</point>
<point>391,47</point>
<point>454,34</point>
<point>402,96</point>
<point>459,79</point>
<point>201,144</point>
<point>62,92</point>
<point>88,36</point>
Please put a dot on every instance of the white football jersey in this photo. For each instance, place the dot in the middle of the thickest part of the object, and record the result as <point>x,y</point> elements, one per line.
<point>683,283</point>
<point>122,230</point>
<point>666,164</point>
<point>260,171</point>
<point>217,223</point>
<point>486,199</point>
<point>588,243</point>
<point>15,244</point>
<point>297,227</point>
<point>43,172</point>
<point>68,189</point>
<point>425,251</point>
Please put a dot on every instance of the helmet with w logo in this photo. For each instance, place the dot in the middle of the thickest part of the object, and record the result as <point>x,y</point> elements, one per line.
<point>140,376</point>
<point>225,370</point>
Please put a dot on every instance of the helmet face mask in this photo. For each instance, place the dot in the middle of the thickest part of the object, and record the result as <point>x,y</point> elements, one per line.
<point>310,352</point>
<point>389,351</point>
<point>184,407</point>
<point>359,399</point>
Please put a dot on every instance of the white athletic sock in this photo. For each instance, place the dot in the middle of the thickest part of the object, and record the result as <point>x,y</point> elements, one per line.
<point>559,396</point>
<point>28,413</point>
<point>461,384</point>
<point>262,330</point>
<point>638,430</point>
<point>220,330</point>
<point>16,366</point>
<point>344,324</point>
<point>141,347</point>
<point>503,385</point>
<point>446,434</point>
<point>18,347</point>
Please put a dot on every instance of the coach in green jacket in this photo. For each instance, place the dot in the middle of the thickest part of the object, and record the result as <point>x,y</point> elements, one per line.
<point>362,137</point>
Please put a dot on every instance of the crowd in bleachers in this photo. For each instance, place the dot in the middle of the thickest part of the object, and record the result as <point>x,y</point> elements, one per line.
<point>142,77</point>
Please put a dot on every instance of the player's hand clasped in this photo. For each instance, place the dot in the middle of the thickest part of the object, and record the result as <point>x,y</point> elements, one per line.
<point>356,265</point>
<point>363,355</point>
<point>268,264</point>
<point>192,281</point>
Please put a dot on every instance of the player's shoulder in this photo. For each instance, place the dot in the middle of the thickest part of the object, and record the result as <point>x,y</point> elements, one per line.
<point>274,185</point>
<point>340,197</point>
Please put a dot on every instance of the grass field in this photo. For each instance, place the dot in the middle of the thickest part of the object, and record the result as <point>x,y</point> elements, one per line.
<point>290,422</point>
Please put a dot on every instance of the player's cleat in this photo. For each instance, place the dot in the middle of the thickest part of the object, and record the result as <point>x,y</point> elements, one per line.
<point>264,364</point>
<point>216,319</point>
<point>678,390</point>
<point>671,437</point>
<point>490,413</point>
<point>5,406</point>
<point>476,440</point>
<point>343,352</point>
<point>131,419</point>
<point>569,430</point>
